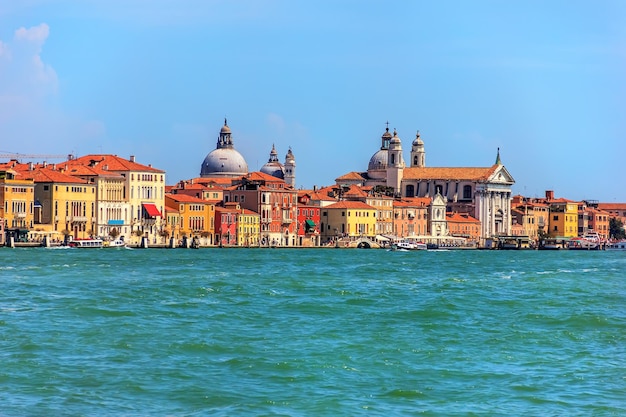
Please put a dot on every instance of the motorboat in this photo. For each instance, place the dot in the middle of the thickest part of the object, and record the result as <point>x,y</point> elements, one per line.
<point>408,245</point>
<point>588,241</point>
<point>617,245</point>
<point>86,243</point>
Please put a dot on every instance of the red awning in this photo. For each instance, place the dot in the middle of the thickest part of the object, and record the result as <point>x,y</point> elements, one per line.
<point>151,209</point>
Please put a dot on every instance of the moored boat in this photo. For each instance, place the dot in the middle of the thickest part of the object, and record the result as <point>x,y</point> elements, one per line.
<point>86,243</point>
<point>588,241</point>
<point>408,245</point>
<point>618,245</point>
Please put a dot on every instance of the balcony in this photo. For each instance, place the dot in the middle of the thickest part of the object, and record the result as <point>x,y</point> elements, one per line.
<point>20,215</point>
<point>287,221</point>
<point>77,219</point>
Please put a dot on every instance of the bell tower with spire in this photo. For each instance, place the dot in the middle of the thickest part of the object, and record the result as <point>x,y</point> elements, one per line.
<point>290,169</point>
<point>395,163</point>
<point>418,154</point>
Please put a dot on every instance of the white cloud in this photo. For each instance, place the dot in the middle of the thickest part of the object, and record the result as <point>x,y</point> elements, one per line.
<point>37,34</point>
<point>30,121</point>
<point>23,72</point>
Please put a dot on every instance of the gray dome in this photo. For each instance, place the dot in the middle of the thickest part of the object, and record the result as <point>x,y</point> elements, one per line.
<point>275,169</point>
<point>224,162</point>
<point>378,160</point>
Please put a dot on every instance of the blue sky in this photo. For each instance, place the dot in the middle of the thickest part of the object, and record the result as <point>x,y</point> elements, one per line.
<point>544,81</point>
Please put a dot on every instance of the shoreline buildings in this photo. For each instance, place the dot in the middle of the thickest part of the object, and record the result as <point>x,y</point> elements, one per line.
<point>227,205</point>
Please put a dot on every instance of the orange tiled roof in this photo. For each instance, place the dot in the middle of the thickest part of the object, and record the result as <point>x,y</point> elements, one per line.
<point>413,202</point>
<point>351,176</point>
<point>218,181</point>
<point>184,198</point>
<point>50,175</point>
<point>261,176</point>
<point>461,218</point>
<point>354,191</point>
<point>351,205</point>
<point>441,173</point>
<point>112,163</point>
<point>612,206</point>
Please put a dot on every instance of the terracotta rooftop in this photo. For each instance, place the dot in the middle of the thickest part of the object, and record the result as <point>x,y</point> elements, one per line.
<point>461,218</point>
<point>434,173</point>
<point>184,198</point>
<point>50,175</point>
<point>350,205</point>
<point>112,163</point>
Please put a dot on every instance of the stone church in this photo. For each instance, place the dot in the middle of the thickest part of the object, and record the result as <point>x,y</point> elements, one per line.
<point>483,192</point>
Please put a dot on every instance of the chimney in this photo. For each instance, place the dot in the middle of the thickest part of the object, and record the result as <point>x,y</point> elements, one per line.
<point>549,195</point>
<point>31,166</point>
<point>45,164</point>
<point>132,158</point>
<point>54,167</point>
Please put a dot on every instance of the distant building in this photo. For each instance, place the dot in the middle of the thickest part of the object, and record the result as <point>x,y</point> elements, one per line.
<point>484,193</point>
<point>226,161</point>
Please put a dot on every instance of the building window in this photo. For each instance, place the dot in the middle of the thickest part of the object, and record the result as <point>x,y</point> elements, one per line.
<point>467,192</point>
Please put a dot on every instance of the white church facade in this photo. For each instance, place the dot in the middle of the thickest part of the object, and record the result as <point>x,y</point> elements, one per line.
<point>482,192</point>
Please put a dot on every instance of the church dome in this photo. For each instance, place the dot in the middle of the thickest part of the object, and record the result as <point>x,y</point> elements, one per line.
<point>273,167</point>
<point>378,160</point>
<point>224,160</point>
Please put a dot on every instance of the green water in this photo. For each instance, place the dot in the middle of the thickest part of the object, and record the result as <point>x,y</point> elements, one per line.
<point>318,332</point>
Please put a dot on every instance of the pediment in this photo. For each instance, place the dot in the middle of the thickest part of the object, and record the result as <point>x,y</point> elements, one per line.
<point>501,176</point>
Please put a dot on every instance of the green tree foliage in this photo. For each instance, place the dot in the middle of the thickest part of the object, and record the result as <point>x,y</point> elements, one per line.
<point>616,229</point>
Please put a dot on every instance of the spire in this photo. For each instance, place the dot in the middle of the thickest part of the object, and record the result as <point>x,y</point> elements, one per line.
<point>498,161</point>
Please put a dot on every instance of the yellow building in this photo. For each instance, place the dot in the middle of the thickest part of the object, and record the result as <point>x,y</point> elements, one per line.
<point>248,228</point>
<point>563,219</point>
<point>531,215</point>
<point>348,219</point>
<point>143,191</point>
<point>112,207</point>
<point>196,217</point>
<point>17,197</point>
<point>68,203</point>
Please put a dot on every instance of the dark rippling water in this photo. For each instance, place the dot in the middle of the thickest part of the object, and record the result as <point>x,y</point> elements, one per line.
<point>230,332</point>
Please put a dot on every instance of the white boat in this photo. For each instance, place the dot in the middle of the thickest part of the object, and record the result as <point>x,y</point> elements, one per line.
<point>86,243</point>
<point>117,243</point>
<point>588,241</point>
<point>96,243</point>
<point>407,245</point>
<point>619,245</point>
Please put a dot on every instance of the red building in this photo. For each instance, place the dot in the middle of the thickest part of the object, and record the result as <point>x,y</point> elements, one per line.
<point>308,220</point>
<point>274,200</point>
<point>226,224</point>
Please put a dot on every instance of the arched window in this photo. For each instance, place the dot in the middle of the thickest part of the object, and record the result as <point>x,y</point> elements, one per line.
<point>410,190</point>
<point>393,158</point>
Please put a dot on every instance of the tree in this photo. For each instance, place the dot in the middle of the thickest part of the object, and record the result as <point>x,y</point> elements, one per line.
<point>383,190</point>
<point>616,229</point>
<point>114,233</point>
